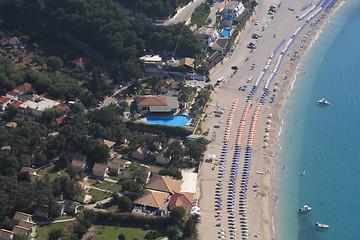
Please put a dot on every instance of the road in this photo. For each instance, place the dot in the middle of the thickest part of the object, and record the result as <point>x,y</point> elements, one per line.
<point>184,14</point>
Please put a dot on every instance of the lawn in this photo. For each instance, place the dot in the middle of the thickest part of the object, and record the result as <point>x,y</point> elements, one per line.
<point>43,232</point>
<point>116,178</point>
<point>113,187</point>
<point>106,232</point>
<point>98,195</point>
<point>51,171</point>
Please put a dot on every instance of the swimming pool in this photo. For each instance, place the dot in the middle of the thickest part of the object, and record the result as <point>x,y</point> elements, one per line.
<point>177,120</point>
<point>226,32</point>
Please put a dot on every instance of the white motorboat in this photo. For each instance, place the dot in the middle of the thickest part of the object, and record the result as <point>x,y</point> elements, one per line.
<point>323,101</point>
<point>321,225</point>
<point>305,208</point>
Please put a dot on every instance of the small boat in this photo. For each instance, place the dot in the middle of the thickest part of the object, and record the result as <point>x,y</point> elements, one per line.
<point>305,208</point>
<point>302,173</point>
<point>321,225</point>
<point>323,101</point>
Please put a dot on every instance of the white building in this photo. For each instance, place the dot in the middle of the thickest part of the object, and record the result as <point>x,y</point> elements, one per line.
<point>208,35</point>
<point>231,12</point>
<point>38,106</point>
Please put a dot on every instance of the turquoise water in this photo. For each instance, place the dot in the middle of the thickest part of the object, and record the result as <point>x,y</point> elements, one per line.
<point>323,140</point>
<point>226,32</point>
<point>177,120</point>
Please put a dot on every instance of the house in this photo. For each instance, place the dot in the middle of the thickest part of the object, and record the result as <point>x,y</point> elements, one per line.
<point>32,173</point>
<point>20,216</point>
<point>153,63</point>
<point>220,45</point>
<point>60,119</point>
<point>164,184</point>
<point>14,95</point>
<point>99,170</point>
<point>4,101</point>
<point>6,234</point>
<point>23,88</point>
<point>11,125</point>
<point>139,154</point>
<point>108,143</point>
<point>78,164</point>
<point>17,103</point>
<point>14,41</point>
<point>42,211</point>
<point>157,104</point>
<point>38,106</point>
<point>231,12</point>
<point>83,197</point>
<point>20,231</point>
<point>181,200</point>
<point>28,225</point>
<point>207,36</point>
<point>117,165</point>
<point>82,62</point>
<point>71,207</point>
<point>78,156</point>
<point>187,63</point>
<point>152,200</point>
<point>160,158</point>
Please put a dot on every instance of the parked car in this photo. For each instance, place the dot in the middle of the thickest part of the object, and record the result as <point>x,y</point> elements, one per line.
<point>234,67</point>
<point>251,46</point>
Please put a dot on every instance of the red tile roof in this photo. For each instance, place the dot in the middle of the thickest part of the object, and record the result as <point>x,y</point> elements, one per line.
<point>151,101</point>
<point>17,103</point>
<point>23,88</point>
<point>46,95</point>
<point>63,107</point>
<point>180,199</point>
<point>60,119</point>
<point>13,93</point>
<point>83,62</point>
<point>4,99</point>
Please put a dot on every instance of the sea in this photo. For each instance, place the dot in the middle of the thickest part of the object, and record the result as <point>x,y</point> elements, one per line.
<point>323,140</point>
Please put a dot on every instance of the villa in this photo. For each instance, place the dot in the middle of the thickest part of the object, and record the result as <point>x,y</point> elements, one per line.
<point>157,104</point>
<point>231,12</point>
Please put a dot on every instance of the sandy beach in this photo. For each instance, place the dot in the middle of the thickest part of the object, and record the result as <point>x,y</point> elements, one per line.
<point>285,38</point>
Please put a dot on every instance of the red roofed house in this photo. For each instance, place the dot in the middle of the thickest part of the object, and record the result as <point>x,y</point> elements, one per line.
<point>14,95</point>
<point>17,103</point>
<point>181,199</point>
<point>157,103</point>
<point>82,62</point>
<point>63,107</point>
<point>4,101</point>
<point>60,119</point>
<point>23,88</point>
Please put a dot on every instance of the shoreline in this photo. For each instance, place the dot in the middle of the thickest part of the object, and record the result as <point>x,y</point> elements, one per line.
<point>285,94</point>
<point>264,207</point>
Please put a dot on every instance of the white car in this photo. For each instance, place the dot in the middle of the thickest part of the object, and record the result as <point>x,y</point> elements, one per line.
<point>220,80</point>
<point>257,22</point>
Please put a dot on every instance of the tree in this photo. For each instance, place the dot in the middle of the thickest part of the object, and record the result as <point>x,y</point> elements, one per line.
<point>54,63</point>
<point>177,214</point>
<point>10,113</point>
<point>121,236</point>
<point>173,232</point>
<point>56,234</point>
<point>173,172</point>
<point>124,204</point>
<point>100,153</point>
<point>39,61</point>
<point>78,108</point>
<point>152,235</point>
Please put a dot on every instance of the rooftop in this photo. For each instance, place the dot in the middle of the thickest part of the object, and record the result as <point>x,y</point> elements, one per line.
<point>151,101</point>
<point>40,104</point>
<point>4,99</point>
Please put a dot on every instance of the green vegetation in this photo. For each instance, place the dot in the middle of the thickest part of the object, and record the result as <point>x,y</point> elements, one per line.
<point>43,232</point>
<point>98,195</point>
<point>157,9</point>
<point>200,15</point>
<point>106,232</point>
<point>53,172</point>
<point>173,172</point>
<point>112,187</point>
